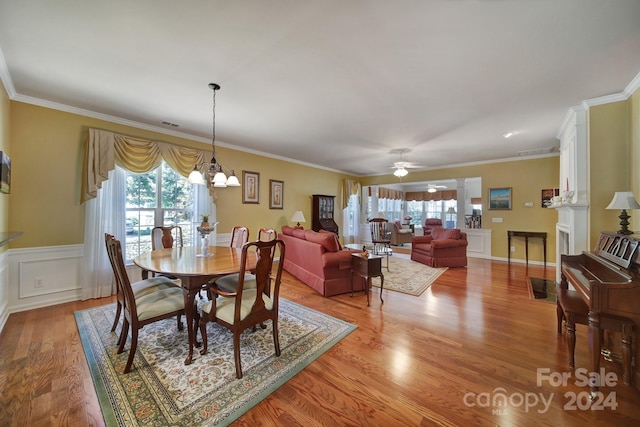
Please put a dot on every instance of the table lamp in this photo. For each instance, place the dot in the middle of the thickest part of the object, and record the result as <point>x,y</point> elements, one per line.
<point>623,200</point>
<point>298,217</point>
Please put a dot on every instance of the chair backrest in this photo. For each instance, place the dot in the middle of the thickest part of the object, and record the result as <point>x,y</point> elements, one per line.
<point>379,230</point>
<point>239,236</point>
<point>166,237</point>
<point>123,285</point>
<point>430,224</point>
<point>267,234</point>
<point>267,283</point>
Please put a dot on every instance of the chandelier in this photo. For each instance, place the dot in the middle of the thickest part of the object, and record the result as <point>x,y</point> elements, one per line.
<point>213,170</point>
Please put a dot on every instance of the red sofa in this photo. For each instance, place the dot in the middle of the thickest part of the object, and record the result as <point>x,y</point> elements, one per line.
<point>442,248</point>
<point>317,259</point>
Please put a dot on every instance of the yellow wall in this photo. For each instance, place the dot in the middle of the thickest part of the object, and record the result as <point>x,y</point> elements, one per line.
<point>610,163</point>
<point>634,136</point>
<point>527,179</point>
<point>4,146</point>
<point>48,148</point>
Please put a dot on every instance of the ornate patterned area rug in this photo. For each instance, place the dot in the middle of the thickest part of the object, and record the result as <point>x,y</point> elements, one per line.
<point>160,390</point>
<point>407,276</point>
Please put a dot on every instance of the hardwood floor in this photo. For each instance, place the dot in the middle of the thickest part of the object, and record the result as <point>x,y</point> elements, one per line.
<point>437,359</point>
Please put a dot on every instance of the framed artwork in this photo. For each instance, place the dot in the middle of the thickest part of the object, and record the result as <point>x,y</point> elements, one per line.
<point>276,194</point>
<point>500,198</point>
<point>5,173</point>
<point>250,187</point>
<point>547,195</point>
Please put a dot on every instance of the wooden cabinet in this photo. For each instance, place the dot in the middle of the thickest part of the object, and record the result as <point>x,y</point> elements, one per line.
<point>322,213</point>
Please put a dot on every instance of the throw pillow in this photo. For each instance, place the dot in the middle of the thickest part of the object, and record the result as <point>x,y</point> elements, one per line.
<point>335,236</point>
<point>299,233</point>
<point>326,240</point>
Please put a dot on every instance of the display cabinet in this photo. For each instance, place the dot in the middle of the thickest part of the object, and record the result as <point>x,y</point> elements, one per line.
<point>322,213</point>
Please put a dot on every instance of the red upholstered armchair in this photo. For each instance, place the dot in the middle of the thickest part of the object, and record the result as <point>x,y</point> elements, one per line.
<point>443,248</point>
<point>430,224</point>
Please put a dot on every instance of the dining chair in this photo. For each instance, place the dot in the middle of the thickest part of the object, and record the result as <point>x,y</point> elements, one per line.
<point>244,307</point>
<point>165,237</point>
<point>266,234</point>
<point>140,288</point>
<point>239,236</point>
<point>156,303</point>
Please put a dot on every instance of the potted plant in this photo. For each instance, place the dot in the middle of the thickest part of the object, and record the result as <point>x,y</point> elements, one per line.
<point>205,221</point>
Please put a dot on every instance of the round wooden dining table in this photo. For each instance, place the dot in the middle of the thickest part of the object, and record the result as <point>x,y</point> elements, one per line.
<point>194,271</point>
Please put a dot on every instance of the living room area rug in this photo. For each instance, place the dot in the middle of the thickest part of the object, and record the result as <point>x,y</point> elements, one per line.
<point>161,390</point>
<point>407,276</point>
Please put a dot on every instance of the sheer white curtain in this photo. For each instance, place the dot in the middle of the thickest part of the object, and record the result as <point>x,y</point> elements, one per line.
<point>104,214</point>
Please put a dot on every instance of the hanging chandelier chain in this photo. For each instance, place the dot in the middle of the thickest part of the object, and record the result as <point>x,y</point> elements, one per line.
<point>215,87</point>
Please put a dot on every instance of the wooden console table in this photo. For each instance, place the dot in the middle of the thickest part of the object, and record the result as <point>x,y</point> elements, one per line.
<point>527,234</point>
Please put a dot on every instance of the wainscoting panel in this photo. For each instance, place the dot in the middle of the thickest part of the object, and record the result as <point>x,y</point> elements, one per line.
<point>4,289</point>
<point>43,276</point>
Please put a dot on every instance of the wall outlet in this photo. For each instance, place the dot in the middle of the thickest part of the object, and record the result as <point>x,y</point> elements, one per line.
<point>496,219</point>
<point>528,204</point>
<point>37,282</point>
<point>513,248</point>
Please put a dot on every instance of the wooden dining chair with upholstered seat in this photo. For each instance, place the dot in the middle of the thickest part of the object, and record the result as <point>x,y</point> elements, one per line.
<point>245,308</point>
<point>266,234</point>
<point>156,303</point>
<point>239,236</point>
<point>166,236</point>
<point>140,288</point>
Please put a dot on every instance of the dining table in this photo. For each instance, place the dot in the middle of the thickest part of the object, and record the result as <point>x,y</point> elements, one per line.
<point>194,269</point>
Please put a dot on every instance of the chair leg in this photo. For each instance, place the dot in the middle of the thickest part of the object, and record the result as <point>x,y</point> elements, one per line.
<point>236,353</point>
<point>123,335</point>
<point>115,321</point>
<point>276,339</point>
<point>203,333</point>
<point>179,319</point>
<point>132,350</point>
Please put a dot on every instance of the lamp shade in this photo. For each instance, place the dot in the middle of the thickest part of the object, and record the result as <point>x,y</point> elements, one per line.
<point>195,177</point>
<point>298,217</point>
<point>623,200</point>
<point>451,210</point>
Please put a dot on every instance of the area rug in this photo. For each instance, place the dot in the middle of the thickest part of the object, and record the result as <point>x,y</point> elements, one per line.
<point>407,276</point>
<point>160,390</point>
<point>542,289</point>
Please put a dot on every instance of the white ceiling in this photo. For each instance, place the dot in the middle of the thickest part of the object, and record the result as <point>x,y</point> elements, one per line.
<point>340,84</point>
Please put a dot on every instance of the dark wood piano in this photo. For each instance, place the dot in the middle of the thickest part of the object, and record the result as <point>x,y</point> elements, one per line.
<point>608,280</point>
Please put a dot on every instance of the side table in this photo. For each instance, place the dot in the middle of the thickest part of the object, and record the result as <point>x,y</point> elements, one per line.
<point>367,267</point>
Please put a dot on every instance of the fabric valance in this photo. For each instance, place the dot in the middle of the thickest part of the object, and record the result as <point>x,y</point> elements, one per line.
<point>425,196</point>
<point>105,149</point>
<point>349,188</point>
<point>387,193</point>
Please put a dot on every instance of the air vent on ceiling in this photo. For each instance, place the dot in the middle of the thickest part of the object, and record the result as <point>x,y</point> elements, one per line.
<point>166,123</point>
<point>535,151</point>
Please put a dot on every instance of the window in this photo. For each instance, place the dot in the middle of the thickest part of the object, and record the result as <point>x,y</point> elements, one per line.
<point>156,198</point>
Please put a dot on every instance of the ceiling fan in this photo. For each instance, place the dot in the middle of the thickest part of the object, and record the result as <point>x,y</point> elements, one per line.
<point>401,166</point>
<point>432,188</point>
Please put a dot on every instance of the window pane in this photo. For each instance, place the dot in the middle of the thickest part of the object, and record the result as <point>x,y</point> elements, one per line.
<point>141,190</point>
<point>176,190</point>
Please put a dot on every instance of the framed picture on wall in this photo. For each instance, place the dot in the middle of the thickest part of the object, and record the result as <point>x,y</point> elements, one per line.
<point>250,187</point>
<point>276,194</point>
<point>500,198</point>
<point>547,195</point>
<point>5,173</point>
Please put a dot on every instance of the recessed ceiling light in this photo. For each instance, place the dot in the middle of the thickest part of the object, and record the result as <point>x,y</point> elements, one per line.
<point>509,134</point>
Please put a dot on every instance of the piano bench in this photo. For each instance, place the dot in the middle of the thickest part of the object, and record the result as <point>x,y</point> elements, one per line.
<point>572,309</point>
